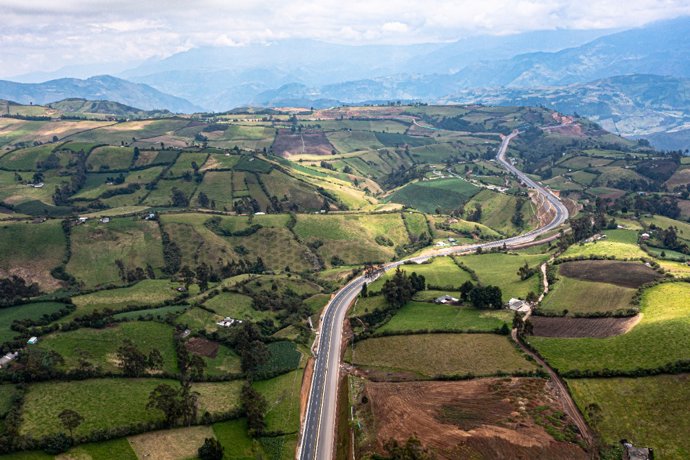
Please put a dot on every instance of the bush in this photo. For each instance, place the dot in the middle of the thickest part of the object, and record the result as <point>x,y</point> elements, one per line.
<point>57,444</point>
<point>211,450</point>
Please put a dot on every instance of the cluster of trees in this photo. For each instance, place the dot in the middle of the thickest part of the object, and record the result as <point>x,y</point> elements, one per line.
<point>134,363</point>
<point>247,342</point>
<point>15,288</point>
<point>63,192</point>
<point>485,297</point>
<point>669,239</point>
<point>399,289</point>
<point>526,272</point>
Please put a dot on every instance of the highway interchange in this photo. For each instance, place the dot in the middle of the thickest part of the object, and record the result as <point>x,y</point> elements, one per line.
<point>318,431</point>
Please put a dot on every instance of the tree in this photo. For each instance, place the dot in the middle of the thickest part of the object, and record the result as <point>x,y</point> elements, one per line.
<point>155,359</point>
<point>57,444</point>
<point>203,200</point>
<point>465,290</point>
<point>132,361</point>
<point>486,297</point>
<point>254,355</point>
<point>203,274</point>
<point>165,398</point>
<point>532,297</point>
<point>398,290</point>
<point>70,420</point>
<point>254,406</point>
<point>418,282</point>
<point>178,198</point>
<point>211,450</point>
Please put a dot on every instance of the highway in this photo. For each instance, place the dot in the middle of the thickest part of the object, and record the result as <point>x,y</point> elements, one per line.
<point>318,431</point>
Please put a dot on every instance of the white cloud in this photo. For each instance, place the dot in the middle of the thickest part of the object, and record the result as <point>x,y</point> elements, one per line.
<point>47,34</point>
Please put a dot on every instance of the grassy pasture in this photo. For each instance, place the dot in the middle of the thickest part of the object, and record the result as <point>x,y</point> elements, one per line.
<point>498,209</point>
<point>243,136</point>
<point>236,306</point>
<point>32,251</point>
<point>253,164</point>
<point>431,355</point>
<point>578,296</point>
<point>661,337</point>
<point>7,393</point>
<point>197,243</point>
<point>110,158</point>
<point>501,270</point>
<point>162,194</point>
<point>218,187</point>
<point>442,272</point>
<point>174,444</point>
<point>420,316</point>
<point>353,141</point>
<point>26,159</point>
<point>427,196</point>
<point>96,247</point>
<point>392,126</point>
<point>665,222</point>
<point>184,163</point>
<point>286,188</point>
<point>649,411</point>
<point>159,313</point>
<point>396,139</point>
<point>352,237</point>
<point>99,346</point>
<point>277,247</point>
<point>107,403</point>
<point>28,311</point>
<point>282,394</point>
<point>146,292</point>
<point>620,243</point>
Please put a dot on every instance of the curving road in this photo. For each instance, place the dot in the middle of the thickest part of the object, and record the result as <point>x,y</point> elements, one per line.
<point>318,432</point>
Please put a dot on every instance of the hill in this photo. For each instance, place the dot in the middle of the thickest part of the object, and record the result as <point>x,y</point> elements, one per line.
<point>77,106</point>
<point>94,88</point>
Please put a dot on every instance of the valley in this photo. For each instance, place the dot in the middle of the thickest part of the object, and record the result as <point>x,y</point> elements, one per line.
<point>325,283</point>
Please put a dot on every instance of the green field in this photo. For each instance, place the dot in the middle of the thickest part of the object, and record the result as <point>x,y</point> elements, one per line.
<point>26,159</point>
<point>649,411</point>
<point>96,247</point>
<point>236,306</point>
<point>431,355</point>
<point>442,273</point>
<point>621,244</point>
<point>352,237</point>
<point>33,311</point>
<point>32,251</point>
<point>420,316</point>
<point>428,196</point>
<point>660,338</point>
<point>578,296</point>
<point>110,158</point>
<point>501,270</point>
<point>282,394</point>
<point>107,403</point>
<point>284,357</point>
<point>147,292</point>
<point>99,346</point>
<point>158,313</point>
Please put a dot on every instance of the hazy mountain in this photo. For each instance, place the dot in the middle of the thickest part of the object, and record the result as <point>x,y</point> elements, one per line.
<point>222,77</point>
<point>95,88</point>
<point>661,48</point>
<point>76,106</point>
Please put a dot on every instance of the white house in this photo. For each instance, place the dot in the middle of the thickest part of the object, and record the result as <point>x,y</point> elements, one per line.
<point>444,299</point>
<point>518,305</point>
<point>227,322</point>
<point>32,340</point>
<point>5,360</point>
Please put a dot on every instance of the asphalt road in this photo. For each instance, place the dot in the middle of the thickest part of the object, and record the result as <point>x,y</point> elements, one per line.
<point>318,432</point>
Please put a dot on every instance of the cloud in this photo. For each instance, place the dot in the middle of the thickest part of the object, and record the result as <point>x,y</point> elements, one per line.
<point>48,34</point>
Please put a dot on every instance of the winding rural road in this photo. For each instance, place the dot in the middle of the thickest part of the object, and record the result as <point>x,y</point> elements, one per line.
<point>318,432</point>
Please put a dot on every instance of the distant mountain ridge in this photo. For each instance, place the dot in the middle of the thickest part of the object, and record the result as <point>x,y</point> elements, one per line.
<point>95,88</point>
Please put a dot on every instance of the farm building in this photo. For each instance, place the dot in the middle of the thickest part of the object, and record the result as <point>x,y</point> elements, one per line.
<point>5,360</point>
<point>518,305</point>
<point>444,299</point>
<point>645,236</point>
<point>227,322</point>
<point>32,340</point>
<point>637,453</point>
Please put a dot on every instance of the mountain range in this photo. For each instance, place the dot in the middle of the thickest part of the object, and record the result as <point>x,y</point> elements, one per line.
<point>632,82</point>
<point>102,87</point>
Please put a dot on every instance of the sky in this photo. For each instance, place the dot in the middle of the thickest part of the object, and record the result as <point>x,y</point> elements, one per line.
<point>45,35</point>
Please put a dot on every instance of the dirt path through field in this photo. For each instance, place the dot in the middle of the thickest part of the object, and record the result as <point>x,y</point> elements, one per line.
<point>568,404</point>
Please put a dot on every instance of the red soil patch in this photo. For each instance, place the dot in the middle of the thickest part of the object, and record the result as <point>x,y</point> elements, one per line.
<point>306,142</point>
<point>626,274</point>
<point>202,347</point>
<point>582,327</point>
<point>482,418</point>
